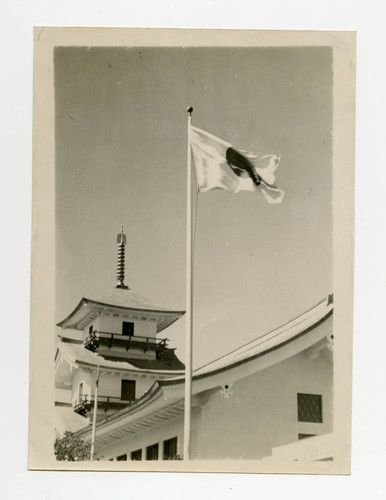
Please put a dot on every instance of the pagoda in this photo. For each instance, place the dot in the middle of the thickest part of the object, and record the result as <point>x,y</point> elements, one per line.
<point>119,345</point>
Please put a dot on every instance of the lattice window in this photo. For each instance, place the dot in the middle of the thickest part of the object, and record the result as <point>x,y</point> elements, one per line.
<point>310,408</point>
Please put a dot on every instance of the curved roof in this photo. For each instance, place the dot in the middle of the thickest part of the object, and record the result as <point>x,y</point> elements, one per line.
<point>119,301</point>
<point>266,343</point>
<point>76,355</point>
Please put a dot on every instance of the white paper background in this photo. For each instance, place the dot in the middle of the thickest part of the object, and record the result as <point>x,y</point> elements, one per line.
<point>17,18</point>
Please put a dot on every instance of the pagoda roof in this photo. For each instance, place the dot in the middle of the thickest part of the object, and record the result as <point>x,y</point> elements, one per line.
<point>119,301</point>
<point>124,297</point>
<point>76,355</point>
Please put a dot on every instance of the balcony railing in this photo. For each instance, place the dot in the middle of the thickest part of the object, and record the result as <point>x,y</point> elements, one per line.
<point>97,339</point>
<point>81,405</point>
<point>86,402</point>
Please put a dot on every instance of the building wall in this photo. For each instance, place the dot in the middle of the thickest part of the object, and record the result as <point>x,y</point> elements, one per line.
<point>63,395</point>
<point>262,411</point>
<point>84,376</point>
<point>122,353</point>
<point>109,383</point>
<point>111,324</point>
<point>260,414</point>
<point>158,434</point>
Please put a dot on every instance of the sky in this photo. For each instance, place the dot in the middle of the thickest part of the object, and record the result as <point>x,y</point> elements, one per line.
<point>121,148</point>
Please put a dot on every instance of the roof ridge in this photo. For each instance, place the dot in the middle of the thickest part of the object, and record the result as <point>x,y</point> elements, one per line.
<point>263,335</point>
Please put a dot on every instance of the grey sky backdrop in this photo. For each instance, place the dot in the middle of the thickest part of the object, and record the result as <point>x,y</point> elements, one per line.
<point>121,159</point>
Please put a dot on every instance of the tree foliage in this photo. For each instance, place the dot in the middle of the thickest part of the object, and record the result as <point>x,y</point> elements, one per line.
<point>71,448</point>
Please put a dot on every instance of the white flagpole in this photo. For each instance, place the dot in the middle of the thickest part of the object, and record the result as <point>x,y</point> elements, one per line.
<point>94,417</point>
<point>189,300</point>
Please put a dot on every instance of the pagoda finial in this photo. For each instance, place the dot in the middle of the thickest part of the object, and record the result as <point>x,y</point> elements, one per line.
<point>121,240</point>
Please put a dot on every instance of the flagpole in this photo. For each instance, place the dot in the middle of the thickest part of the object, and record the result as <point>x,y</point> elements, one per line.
<point>94,417</point>
<point>189,300</point>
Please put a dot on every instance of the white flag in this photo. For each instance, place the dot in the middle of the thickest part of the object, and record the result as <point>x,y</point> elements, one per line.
<point>220,166</point>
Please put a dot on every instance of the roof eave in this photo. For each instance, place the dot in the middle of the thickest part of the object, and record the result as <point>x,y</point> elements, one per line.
<point>93,305</point>
<point>230,366</point>
<point>153,394</point>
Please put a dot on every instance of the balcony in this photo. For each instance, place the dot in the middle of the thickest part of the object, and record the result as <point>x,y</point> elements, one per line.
<point>85,403</point>
<point>96,339</point>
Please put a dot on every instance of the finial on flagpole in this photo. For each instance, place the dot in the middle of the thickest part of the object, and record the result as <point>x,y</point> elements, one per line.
<point>190,110</point>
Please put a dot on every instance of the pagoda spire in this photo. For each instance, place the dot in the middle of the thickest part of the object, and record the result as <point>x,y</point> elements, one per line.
<point>121,240</point>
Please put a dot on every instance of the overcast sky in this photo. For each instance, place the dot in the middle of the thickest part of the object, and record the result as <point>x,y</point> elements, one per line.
<point>121,159</point>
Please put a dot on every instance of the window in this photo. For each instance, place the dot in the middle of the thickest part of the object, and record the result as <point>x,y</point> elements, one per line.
<point>152,452</point>
<point>136,455</point>
<point>128,390</point>
<point>304,436</point>
<point>170,449</point>
<point>90,330</point>
<point>310,408</point>
<point>127,328</point>
<point>80,390</point>
<point>122,458</point>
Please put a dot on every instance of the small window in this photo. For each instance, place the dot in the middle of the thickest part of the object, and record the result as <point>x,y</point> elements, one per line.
<point>310,408</point>
<point>122,458</point>
<point>170,449</point>
<point>128,328</point>
<point>136,455</point>
<point>80,390</point>
<point>152,452</point>
<point>305,436</point>
<point>128,390</point>
<point>90,330</point>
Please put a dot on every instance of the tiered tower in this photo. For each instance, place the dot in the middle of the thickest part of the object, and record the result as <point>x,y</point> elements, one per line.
<point>120,334</point>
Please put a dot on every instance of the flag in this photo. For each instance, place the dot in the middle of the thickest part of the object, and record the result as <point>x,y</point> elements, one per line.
<point>220,166</point>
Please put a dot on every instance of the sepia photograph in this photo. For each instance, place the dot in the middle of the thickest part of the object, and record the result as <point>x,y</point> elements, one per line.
<point>195,310</point>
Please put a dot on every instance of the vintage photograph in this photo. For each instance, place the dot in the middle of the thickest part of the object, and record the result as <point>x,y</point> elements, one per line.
<point>194,285</point>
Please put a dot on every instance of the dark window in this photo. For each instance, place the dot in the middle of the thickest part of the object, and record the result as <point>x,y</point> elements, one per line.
<point>304,436</point>
<point>90,330</point>
<point>122,458</point>
<point>136,455</point>
<point>128,390</point>
<point>152,452</point>
<point>170,449</point>
<point>310,408</point>
<point>80,390</point>
<point>127,328</point>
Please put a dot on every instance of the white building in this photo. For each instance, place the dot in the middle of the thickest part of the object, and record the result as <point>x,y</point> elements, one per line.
<point>272,396</point>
